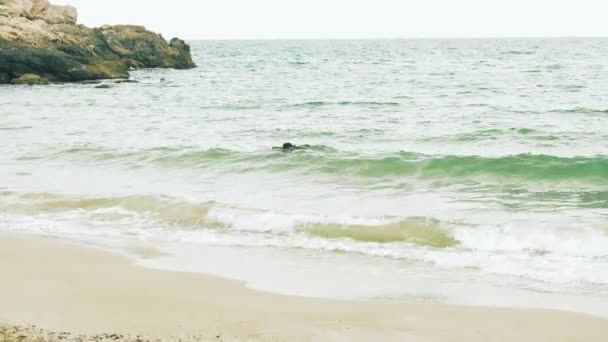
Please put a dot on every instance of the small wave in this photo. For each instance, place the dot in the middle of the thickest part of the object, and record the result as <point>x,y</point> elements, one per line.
<point>326,160</point>
<point>317,134</point>
<point>230,107</point>
<point>517,52</point>
<point>525,130</point>
<point>19,128</point>
<point>186,215</point>
<point>195,157</point>
<point>594,199</point>
<point>526,166</point>
<point>492,134</point>
<point>315,104</point>
<point>420,231</point>
<point>580,110</point>
<point>471,136</point>
<point>162,209</point>
<point>161,155</point>
<point>536,252</point>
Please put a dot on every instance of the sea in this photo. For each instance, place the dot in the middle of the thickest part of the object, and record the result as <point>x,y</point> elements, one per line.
<point>468,171</point>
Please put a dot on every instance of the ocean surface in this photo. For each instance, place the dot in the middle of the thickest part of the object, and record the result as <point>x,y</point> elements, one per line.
<point>480,157</point>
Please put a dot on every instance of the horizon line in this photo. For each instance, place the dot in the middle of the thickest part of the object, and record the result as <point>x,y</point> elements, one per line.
<point>398,38</point>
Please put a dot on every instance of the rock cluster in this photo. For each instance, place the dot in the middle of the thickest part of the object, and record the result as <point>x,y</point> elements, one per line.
<point>41,42</point>
<point>33,333</point>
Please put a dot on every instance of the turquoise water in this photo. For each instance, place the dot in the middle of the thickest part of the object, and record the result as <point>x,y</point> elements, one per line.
<point>489,155</point>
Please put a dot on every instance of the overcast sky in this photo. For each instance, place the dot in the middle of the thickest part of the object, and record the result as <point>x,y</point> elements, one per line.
<point>256,19</point>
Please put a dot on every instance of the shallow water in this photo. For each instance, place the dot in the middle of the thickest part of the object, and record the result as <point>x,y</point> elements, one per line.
<point>484,155</point>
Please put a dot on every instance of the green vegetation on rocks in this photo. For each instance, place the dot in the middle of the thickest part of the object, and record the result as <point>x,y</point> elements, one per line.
<point>30,79</point>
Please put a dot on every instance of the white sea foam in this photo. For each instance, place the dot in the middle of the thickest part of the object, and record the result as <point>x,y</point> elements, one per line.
<point>566,255</point>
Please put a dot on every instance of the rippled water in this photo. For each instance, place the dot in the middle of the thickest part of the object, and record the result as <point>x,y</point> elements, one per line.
<point>467,154</point>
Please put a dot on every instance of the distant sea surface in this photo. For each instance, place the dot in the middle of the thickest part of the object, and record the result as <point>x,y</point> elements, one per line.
<point>483,155</point>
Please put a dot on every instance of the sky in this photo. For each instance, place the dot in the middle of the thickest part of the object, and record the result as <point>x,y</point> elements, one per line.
<point>302,19</point>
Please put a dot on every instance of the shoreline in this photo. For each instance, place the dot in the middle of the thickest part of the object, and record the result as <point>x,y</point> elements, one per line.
<point>60,286</point>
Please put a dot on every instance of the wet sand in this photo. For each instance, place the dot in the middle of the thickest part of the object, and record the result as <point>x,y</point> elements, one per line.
<point>63,287</point>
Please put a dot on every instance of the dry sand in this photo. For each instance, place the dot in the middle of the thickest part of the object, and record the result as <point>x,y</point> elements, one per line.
<point>65,287</point>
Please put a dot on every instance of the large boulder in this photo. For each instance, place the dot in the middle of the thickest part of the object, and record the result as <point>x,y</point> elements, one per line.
<point>146,48</point>
<point>40,39</point>
<point>60,15</point>
<point>43,10</point>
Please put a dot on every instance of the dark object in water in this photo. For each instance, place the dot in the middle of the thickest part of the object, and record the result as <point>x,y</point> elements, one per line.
<point>290,147</point>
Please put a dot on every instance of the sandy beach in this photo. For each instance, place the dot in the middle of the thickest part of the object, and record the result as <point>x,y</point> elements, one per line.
<point>277,171</point>
<point>60,286</point>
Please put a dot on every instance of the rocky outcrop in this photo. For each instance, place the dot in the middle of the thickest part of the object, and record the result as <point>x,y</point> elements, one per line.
<point>40,43</point>
<point>43,10</point>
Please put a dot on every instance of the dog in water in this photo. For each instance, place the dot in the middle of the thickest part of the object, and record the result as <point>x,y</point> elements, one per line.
<point>288,147</point>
